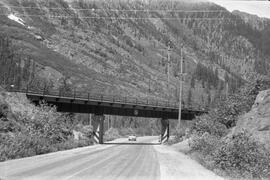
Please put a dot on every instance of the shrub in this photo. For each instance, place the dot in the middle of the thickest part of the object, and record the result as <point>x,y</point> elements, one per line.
<point>228,110</point>
<point>21,145</point>
<point>69,144</point>
<point>45,122</point>
<point>87,130</point>
<point>126,131</point>
<point>225,115</point>
<point>239,156</point>
<point>139,47</point>
<point>204,144</point>
<point>179,135</point>
<point>85,142</point>
<point>243,156</point>
<point>128,41</point>
<point>139,131</point>
<point>208,123</point>
<point>42,130</point>
<point>111,134</point>
<point>178,138</point>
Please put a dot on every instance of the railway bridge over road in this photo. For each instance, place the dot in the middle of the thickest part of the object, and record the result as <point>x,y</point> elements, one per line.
<point>100,105</point>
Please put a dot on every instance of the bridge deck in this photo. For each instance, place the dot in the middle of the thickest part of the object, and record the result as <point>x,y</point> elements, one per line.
<point>79,102</point>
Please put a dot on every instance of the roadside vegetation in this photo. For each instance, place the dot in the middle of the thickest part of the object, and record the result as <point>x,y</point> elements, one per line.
<point>30,130</point>
<point>111,134</point>
<point>213,144</point>
<point>103,56</point>
<point>124,132</point>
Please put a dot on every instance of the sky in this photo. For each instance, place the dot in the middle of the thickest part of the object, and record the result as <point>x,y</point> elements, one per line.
<point>260,8</point>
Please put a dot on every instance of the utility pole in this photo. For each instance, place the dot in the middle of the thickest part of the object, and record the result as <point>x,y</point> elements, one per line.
<point>148,8</point>
<point>180,86</point>
<point>227,90</point>
<point>5,75</point>
<point>149,86</point>
<point>168,65</point>
<point>90,119</point>
<point>108,118</point>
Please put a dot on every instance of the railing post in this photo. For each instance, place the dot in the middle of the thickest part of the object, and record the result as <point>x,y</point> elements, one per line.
<point>125,99</point>
<point>44,90</point>
<point>101,97</point>
<point>88,97</point>
<point>74,93</point>
<point>27,89</point>
<point>157,102</point>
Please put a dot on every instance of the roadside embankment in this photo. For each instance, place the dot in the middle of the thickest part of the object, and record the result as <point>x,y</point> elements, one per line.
<point>28,130</point>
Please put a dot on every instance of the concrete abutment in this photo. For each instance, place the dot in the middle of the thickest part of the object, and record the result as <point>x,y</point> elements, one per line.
<point>165,130</point>
<point>98,128</point>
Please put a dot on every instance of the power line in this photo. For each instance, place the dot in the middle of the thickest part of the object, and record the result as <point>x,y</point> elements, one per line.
<point>120,18</point>
<point>117,10</point>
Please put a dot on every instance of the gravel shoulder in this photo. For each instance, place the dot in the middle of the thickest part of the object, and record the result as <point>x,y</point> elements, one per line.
<point>176,165</point>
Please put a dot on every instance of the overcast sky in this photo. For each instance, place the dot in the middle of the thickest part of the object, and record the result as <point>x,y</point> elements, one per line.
<point>260,8</point>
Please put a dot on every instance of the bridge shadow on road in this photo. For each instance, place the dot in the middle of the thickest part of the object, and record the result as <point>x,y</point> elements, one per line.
<point>130,143</point>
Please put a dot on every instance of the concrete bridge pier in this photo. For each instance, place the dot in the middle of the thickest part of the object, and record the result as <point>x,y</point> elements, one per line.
<point>98,128</point>
<point>165,134</point>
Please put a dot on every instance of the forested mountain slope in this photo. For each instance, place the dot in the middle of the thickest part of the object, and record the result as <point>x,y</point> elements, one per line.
<point>130,47</point>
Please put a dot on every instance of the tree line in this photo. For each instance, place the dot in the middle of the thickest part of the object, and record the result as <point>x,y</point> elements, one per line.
<point>16,68</point>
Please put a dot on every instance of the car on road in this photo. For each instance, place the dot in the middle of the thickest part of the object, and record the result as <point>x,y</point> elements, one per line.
<point>132,138</point>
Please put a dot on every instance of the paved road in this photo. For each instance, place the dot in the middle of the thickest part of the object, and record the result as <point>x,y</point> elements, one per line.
<point>110,161</point>
<point>121,159</point>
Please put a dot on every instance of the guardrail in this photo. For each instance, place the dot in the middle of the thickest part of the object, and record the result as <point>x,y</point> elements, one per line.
<point>108,98</point>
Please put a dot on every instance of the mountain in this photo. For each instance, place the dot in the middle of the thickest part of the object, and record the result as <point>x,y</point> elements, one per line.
<point>131,48</point>
<point>255,21</point>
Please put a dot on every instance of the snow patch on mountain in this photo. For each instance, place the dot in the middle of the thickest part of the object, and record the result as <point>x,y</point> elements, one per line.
<point>17,19</point>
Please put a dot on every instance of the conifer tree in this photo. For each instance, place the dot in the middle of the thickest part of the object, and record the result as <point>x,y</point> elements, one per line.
<point>189,99</point>
<point>192,81</point>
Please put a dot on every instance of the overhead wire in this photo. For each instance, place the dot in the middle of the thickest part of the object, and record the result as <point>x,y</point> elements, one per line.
<point>124,10</point>
<point>120,18</point>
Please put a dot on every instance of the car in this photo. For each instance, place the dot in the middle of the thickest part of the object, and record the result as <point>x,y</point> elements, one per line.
<point>132,138</point>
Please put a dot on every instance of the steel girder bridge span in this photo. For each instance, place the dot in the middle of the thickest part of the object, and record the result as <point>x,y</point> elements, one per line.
<point>101,105</point>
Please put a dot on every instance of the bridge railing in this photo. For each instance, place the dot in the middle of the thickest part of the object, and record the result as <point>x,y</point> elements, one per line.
<point>108,98</point>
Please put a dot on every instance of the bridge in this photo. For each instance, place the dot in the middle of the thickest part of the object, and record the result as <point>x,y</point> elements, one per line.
<point>100,105</point>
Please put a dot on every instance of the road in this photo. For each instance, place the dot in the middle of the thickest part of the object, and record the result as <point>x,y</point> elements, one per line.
<point>119,159</point>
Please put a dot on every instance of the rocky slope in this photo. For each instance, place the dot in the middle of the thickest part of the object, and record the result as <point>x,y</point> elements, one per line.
<point>257,121</point>
<point>122,47</point>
